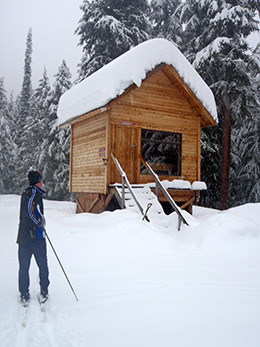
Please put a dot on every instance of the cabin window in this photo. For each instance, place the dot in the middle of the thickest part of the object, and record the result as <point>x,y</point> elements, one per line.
<point>162,151</point>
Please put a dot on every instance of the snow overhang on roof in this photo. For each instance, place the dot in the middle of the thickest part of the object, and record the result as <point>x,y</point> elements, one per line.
<point>131,68</point>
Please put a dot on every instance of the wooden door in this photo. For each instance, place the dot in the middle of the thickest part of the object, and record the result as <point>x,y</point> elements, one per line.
<point>125,147</point>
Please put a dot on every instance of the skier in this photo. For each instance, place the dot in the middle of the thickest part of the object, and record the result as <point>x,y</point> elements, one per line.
<point>31,239</point>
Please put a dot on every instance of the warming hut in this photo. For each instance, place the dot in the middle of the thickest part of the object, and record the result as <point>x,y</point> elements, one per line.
<point>148,105</point>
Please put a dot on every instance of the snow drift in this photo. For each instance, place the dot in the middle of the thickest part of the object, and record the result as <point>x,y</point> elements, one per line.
<point>139,284</point>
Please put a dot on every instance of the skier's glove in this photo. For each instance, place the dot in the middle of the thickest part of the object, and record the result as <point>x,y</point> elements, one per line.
<point>42,223</point>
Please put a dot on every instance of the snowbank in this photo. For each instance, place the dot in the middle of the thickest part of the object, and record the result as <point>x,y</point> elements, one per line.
<point>198,185</point>
<point>176,184</point>
<point>139,284</point>
<point>131,67</point>
<point>181,184</point>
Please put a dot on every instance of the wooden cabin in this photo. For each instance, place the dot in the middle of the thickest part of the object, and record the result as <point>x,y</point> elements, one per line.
<point>160,120</point>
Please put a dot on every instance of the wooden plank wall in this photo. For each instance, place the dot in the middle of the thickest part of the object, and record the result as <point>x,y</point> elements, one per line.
<point>89,145</point>
<point>160,106</point>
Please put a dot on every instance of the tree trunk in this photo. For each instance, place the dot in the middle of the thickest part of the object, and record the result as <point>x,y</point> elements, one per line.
<point>226,139</point>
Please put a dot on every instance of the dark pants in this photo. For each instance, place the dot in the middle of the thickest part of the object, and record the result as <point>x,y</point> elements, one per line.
<point>25,252</point>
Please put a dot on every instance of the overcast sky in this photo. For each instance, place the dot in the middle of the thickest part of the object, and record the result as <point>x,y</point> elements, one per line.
<point>53,24</point>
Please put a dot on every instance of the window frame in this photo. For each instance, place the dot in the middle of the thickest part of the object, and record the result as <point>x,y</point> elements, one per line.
<point>162,168</point>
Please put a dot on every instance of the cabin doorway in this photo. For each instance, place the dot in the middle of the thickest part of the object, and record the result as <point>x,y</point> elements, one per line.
<point>126,147</point>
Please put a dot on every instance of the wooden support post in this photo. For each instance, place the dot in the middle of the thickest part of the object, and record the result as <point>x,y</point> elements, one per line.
<point>101,203</point>
<point>79,205</point>
<point>108,199</point>
<point>93,204</point>
<point>190,201</point>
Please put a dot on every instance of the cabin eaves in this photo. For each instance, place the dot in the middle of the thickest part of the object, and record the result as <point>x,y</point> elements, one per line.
<point>96,92</point>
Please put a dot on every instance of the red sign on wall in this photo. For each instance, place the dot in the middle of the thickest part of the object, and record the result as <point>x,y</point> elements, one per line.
<point>123,122</point>
<point>102,152</point>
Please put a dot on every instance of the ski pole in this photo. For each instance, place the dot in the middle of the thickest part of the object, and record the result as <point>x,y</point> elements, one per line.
<point>60,265</point>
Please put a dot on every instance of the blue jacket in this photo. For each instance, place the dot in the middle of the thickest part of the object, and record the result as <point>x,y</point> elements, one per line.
<point>31,211</point>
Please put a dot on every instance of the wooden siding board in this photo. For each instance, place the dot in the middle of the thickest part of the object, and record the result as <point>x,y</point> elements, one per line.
<point>151,118</point>
<point>71,156</point>
<point>156,101</point>
<point>88,174</point>
<point>206,119</point>
<point>164,95</point>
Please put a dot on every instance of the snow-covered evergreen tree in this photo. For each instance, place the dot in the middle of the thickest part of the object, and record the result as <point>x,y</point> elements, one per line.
<point>109,28</point>
<point>215,42</point>
<point>40,96</point>
<point>248,164</point>
<point>7,147</point>
<point>23,119</point>
<point>247,140</point>
<point>37,128</point>
<point>26,93</point>
<point>55,150</point>
<point>165,16</point>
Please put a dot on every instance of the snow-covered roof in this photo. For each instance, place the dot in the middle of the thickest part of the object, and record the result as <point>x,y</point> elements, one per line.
<point>132,67</point>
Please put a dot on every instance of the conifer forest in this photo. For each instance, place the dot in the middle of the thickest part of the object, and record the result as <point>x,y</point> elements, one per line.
<point>212,35</point>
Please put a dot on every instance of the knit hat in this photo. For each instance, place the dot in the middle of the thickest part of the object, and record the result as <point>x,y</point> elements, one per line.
<point>34,177</point>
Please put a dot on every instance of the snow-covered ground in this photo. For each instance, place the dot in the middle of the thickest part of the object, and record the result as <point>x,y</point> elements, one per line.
<point>139,284</point>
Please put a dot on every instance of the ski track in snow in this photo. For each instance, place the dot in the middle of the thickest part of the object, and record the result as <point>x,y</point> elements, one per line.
<point>49,331</point>
<point>35,333</point>
<point>139,284</point>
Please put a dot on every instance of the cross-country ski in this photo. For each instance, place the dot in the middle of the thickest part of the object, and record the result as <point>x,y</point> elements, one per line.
<point>43,302</point>
<point>24,314</point>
